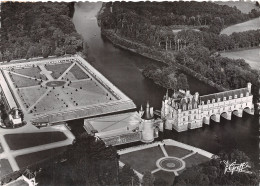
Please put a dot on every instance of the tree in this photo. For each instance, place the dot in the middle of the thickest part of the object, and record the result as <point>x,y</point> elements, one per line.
<point>148,179</point>
<point>45,51</point>
<point>59,52</point>
<point>128,177</point>
<point>212,172</point>
<point>182,82</point>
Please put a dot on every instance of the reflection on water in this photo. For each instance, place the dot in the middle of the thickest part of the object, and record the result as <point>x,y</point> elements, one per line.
<point>123,68</point>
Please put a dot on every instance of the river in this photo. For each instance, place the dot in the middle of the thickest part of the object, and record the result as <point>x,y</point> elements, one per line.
<point>123,68</point>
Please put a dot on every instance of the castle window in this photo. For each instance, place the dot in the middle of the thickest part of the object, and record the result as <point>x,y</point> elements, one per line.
<point>183,119</point>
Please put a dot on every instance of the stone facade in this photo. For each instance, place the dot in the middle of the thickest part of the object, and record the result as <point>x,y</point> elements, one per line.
<point>184,111</point>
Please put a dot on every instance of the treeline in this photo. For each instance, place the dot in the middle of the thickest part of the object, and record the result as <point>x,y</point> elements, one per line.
<point>37,29</point>
<point>167,77</point>
<point>221,42</point>
<point>133,25</point>
<point>229,73</point>
<point>182,13</point>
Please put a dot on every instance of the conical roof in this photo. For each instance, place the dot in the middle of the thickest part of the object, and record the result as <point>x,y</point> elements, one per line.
<point>147,115</point>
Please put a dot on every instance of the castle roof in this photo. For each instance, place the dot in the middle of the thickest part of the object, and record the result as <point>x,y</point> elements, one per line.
<point>147,115</point>
<point>226,94</point>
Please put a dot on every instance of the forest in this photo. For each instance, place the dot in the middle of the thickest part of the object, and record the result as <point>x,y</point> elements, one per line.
<point>37,30</point>
<point>194,47</point>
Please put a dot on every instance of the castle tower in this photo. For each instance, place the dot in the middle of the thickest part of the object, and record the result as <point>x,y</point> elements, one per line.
<point>147,124</point>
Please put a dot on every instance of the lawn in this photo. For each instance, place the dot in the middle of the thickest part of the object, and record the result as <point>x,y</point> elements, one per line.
<point>176,151</point>
<point>78,72</point>
<point>32,158</point>
<point>195,159</point>
<point>5,167</point>
<point>31,95</point>
<point>142,160</point>
<point>52,101</point>
<point>26,140</point>
<point>252,57</point>
<point>57,69</point>
<point>33,72</point>
<point>87,93</point>
<point>20,81</point>
<point>253,24</point>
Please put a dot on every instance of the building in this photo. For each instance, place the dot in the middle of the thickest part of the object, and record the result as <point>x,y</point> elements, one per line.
<point>14,117</point>
<point>184,111</point>
<point>26,179</point>
<point>125,128</point>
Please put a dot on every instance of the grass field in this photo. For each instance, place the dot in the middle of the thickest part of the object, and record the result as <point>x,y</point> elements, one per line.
<point>31,95</point>
<point>244,7</point>
<point>176,151</point>
<point>32,158</point>
<point>144,159</point>
<point>5,167</point>
<point>57,69</point>
<point>195,159</point>
<point>20,81</point>
<point>33,72</point>
<point>253,24</point>
<point>78,72</point>
<point>252,56</point>
<point>26,140</point>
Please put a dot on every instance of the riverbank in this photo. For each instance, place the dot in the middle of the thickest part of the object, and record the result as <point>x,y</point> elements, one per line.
<point>152,53</point>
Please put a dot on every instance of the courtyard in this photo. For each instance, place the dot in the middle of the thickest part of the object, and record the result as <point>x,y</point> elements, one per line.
<point>164,160</point>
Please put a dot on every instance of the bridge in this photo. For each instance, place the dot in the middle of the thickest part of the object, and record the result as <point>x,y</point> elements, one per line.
<point>184,111</point>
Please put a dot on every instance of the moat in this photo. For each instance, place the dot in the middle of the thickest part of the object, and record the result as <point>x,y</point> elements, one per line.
<point>123,69</point>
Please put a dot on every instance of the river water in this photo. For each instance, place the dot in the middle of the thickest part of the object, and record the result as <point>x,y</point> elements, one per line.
<point>123,69</point>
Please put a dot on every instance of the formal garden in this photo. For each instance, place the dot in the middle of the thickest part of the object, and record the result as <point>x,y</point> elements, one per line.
<point>164,160</point>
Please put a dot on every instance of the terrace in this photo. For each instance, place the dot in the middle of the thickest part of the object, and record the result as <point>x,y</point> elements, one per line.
<point>62,89</point>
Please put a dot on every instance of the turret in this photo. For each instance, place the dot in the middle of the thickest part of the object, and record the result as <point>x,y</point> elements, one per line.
<point>249,85</point>
<point>141,111</point>
<point>196,96</point>
<point>167,94</point>
<point>147,115</point>
<point>16,114</point>
<point>187,93</point>
<point>147,125</point>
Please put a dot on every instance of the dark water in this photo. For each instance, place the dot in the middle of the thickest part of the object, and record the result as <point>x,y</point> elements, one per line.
<point>123,68</point>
